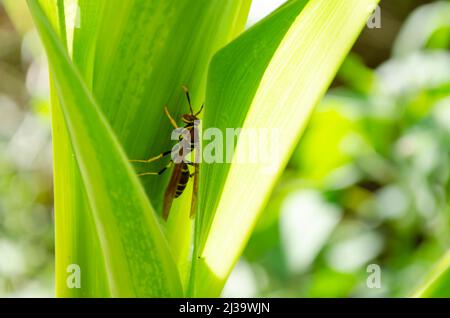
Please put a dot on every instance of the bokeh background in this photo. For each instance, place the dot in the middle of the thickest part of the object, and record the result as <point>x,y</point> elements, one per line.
<point>368,183</point>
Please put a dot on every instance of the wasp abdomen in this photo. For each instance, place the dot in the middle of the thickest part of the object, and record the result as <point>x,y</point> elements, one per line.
<point>185,175</point>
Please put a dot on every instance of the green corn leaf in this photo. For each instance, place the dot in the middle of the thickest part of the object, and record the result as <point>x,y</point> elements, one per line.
<point>138,260</point>
<point>76,239</point>
<point>437,283</point>
<point>133,56</point>
<point>271,78</point>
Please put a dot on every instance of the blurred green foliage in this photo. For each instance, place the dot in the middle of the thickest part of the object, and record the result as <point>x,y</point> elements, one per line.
<point>26,192</point>
<point>368,183</point>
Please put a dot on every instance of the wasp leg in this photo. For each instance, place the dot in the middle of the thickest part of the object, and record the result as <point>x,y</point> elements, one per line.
<point>160,172</point>
<point>193,174</point>
<point>161,155</point>
<point>172,121</point>
<point>192,165</point>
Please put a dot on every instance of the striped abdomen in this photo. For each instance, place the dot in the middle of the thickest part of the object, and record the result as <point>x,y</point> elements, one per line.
<point>184,179</point>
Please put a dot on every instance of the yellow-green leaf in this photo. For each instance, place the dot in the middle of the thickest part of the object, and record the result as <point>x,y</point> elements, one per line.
<point>269,78</point>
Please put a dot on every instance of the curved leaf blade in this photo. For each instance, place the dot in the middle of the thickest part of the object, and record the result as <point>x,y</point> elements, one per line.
<point>138,260</point>
<point>74,225</point>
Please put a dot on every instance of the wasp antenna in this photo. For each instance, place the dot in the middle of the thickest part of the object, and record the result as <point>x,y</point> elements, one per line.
<point>200,110</point>
<point>188,97</point>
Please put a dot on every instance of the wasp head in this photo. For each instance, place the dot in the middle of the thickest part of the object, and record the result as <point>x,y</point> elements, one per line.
<point>189,118</point>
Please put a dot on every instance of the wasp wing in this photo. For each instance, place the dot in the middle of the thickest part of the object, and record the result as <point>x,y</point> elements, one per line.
<point>195,191</point>
<point>169,195</point>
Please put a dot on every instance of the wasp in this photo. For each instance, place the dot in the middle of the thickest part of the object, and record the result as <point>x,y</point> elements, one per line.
<point>188,143</point>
